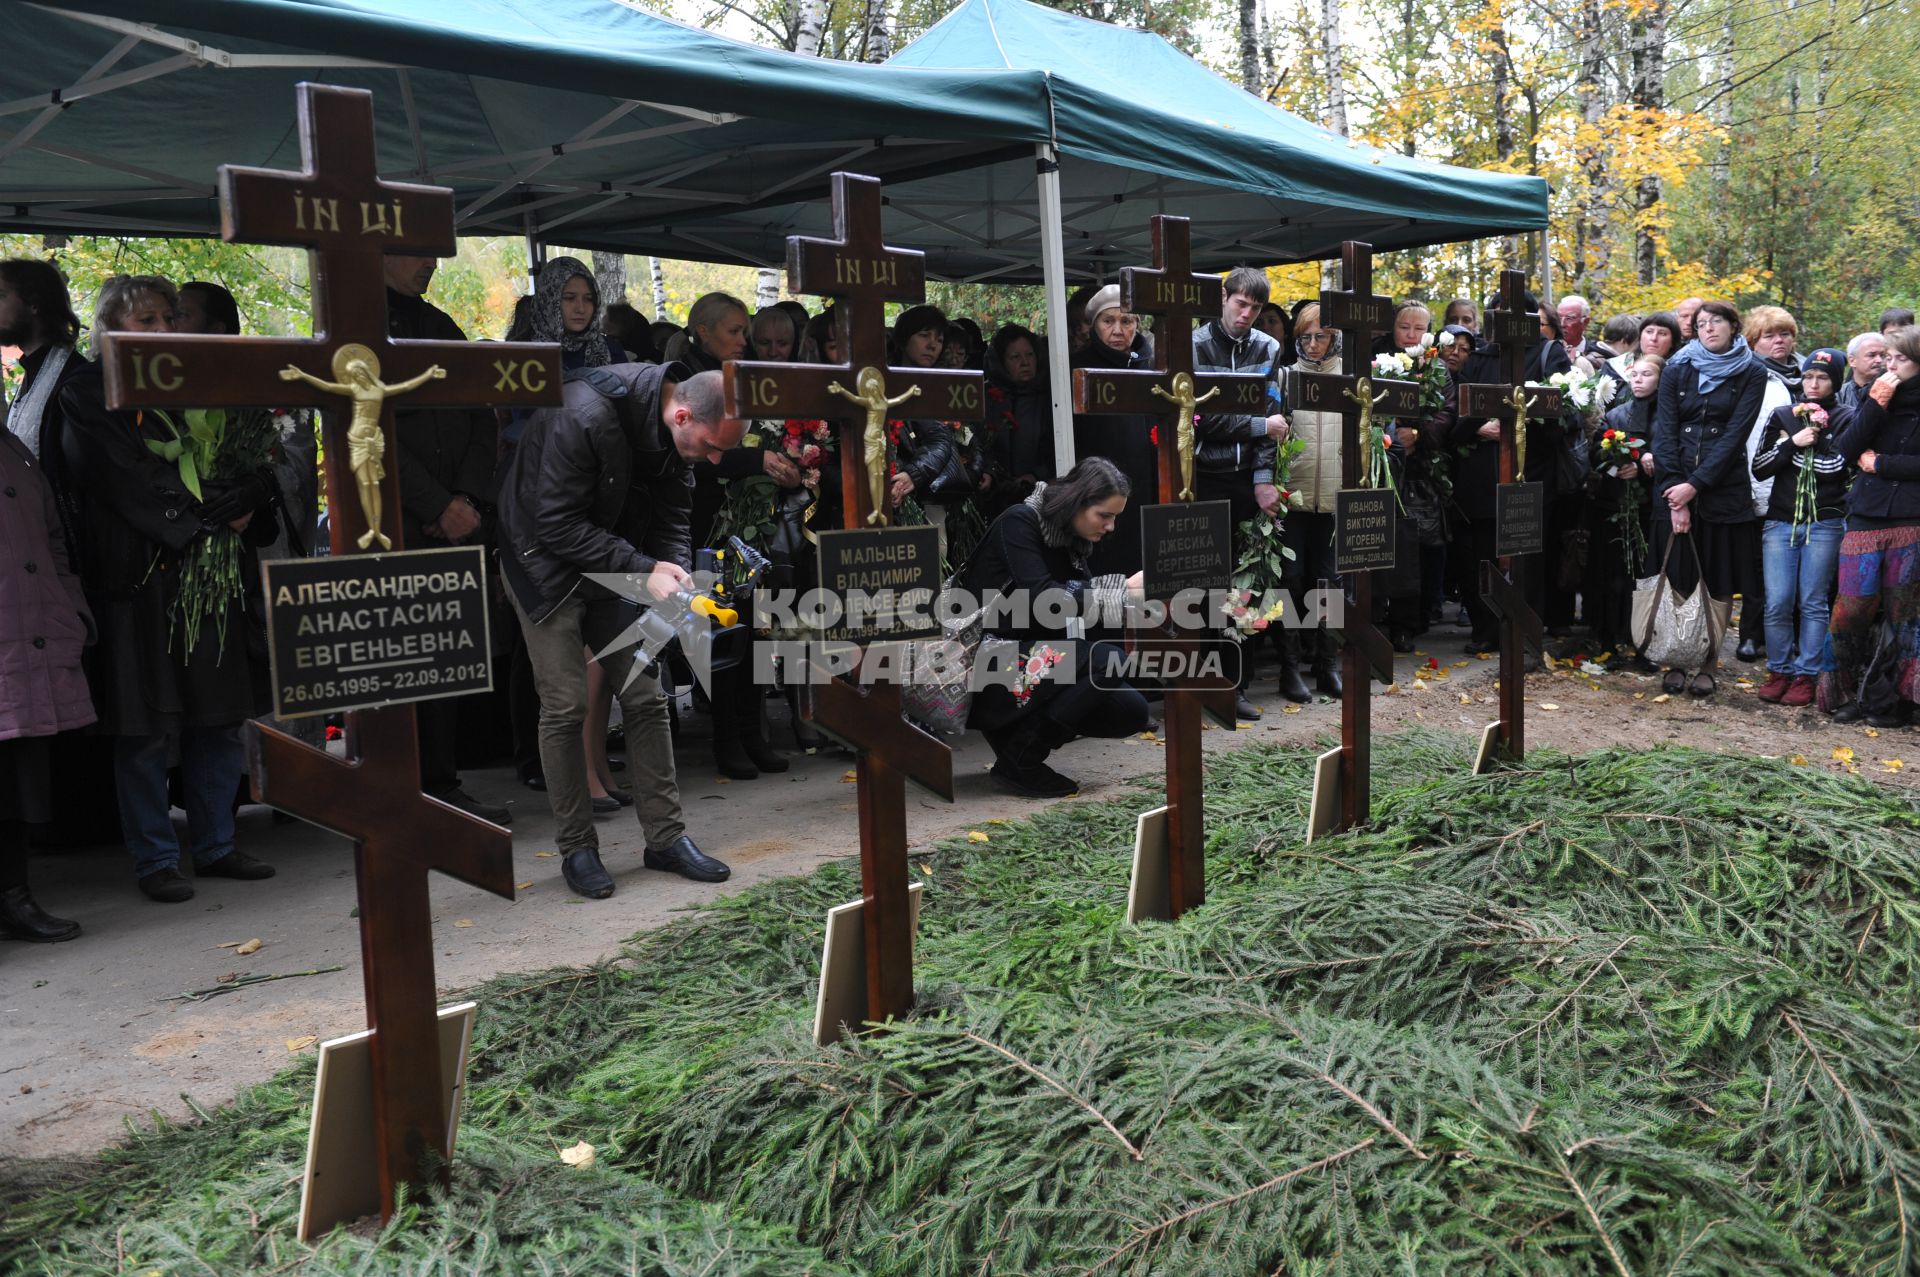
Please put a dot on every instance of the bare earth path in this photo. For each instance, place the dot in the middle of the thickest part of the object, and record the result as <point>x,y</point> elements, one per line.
<point>93,1039</point>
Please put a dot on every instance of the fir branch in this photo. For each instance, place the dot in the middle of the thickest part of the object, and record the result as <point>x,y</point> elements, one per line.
<point>1057,1085</point>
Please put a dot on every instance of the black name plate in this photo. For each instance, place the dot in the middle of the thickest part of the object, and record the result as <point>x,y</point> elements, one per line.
<point>1186,546</point>
<point>884,581</point>
<point>1365,524</point>
<point>364,630</point>
<point>1519,518</point>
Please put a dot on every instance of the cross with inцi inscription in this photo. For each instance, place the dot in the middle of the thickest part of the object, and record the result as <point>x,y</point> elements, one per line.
<point>1172,391</point>
<point>1365,653</point>
<point>1514,327</point>
<point>349,219</point>
<point>864,274</point>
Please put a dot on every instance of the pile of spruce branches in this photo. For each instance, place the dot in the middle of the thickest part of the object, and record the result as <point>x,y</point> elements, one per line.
<point>1647,1012</point>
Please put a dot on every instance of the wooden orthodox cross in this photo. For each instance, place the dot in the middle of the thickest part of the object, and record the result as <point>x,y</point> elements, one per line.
<point>1343,782</point>
<point>858,268</point>
<point>1172,391</point>
<point>1520,508</point>
<point>347,218</point>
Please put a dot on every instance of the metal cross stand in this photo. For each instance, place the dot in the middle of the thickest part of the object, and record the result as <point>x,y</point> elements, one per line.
<point>338,208</point>
<point>1172,391</point>
<point>858,268</point>
<point>1365,531</point>
<point>1520,510</point>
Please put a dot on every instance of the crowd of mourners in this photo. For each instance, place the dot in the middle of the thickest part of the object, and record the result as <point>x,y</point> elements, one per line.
<point>1698,442</point>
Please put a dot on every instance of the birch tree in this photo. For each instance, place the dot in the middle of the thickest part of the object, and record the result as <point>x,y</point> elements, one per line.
<point>1335,71</point>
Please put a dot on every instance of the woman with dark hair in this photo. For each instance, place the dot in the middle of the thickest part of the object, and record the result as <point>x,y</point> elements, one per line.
<point>820,342</point>
<point>1709,402</point>
<point>1660,334</point>
<point>1619,494</point>
<point>629,329</point>
<point>1276,323</point>
<point>1017,433</point>
<point>932,469</point>
<point>1880,553</point>
<point>1040,549</point>
<point>1125,439</point>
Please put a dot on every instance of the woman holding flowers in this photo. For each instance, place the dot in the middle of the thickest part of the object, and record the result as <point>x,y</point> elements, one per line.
<point>165,499</point>
<point>1708,403</point>
<point>1880,553</point>
<point>1800,538</point>
<point>1620,485</point>
<point>1414,589</point>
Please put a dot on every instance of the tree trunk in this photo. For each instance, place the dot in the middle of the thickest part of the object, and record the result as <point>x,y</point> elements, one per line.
<point>1649,93</point>
<point>610,276</point>
<point>659,288</point>
<point>1336,75</point>
<point>1720,254</point>
<point>879,31</point>
<point>1250,77</point>
<point>812,28</point>
<point>766,287</point>
<point>1591,230</point>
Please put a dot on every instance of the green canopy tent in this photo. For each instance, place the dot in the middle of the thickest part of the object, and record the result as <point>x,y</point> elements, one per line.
<point>1017,143</point>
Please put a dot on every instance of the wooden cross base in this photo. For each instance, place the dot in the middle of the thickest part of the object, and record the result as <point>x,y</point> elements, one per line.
<point>1182,711</point>
<point>1343,778</point>
<point>399,834</point>
<point>1520,633</point>
<point>889,751</point>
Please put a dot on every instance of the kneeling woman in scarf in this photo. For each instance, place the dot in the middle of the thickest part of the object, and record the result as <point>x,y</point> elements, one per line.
<point>1037,553</point>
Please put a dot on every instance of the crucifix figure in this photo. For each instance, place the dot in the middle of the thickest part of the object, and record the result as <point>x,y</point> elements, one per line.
<point>1172,391</point>
<point>348,218</point>
<point>858,268</point>
<point>359,371</point>
<point>1358,314</point>
<point>1519,508</point>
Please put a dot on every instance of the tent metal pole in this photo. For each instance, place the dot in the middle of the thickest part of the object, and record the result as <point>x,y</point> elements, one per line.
<point>1053,270</point>
<point>536,251</point>
<point>1546,265</point>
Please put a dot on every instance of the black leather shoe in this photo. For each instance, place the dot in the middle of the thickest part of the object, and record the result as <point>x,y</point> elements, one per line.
<point>585,875</point>
<point>167,886</point>
<point>763,754</point>
<point>1899,717</point>
<point>1326,681</point>
<point>489,812</point>
<point>534,780</point>
<point>731,760</point>
<point>1035,780</point>
<point>1245,709</point>
<point>1748,650</point>
<point>681,857</point>
<point>23,919</point>
<point>1403,643</point>
<point>1851,712</point>
<point>603,803</point>
<point>1293,687</point>
<point>235,864</point>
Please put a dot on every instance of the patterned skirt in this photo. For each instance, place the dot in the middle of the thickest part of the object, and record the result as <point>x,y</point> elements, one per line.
<point>1875,632</point>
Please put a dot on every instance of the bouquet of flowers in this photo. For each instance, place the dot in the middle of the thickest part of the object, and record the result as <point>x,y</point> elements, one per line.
<point>1620,454</point>
<point>1588,396</point>
<point>215,446</point>
<point>1034,671</point>
<point>809,445</point>
<point>1252,605</point>
<point>1620,451</point>
<point>1420,363</point>
<point>1806,490</point>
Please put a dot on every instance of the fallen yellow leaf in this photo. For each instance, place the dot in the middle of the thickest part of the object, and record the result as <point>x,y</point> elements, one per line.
<point>999,820</point>
<point>463,922</point>
<point>301,1044</point>
<point>1289,709</point>
<point>1663,698</point>
<point>545,855</point>
<point>1843,753</point>
<point>1547,705</point>
<point>1465,699</point>
<point>1798,760</point>
<point>1546,658</point>
<point>1892,764</point>
<point>850,778</point>
<point>580,1156</point>
<point>975,835</point>
<point>1639,696</point>
<point>1243,727</point>
<point>1460,665</point>
<point>251,946</point>
<point>1872,731</point>
<point>1147,736</point>
<point>522,886</point>
<point>1483,656</point>
<point>723,780</point>
<point>1419,685</point>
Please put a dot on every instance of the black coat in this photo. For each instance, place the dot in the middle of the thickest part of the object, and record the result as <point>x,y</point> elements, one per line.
<point>1891,494</point>
<point>53,461</point>
<point>596,485</point>
<point>1702,439</point>
<point>1017,554</point>
<point>1017,434</point>
<point>1126,439</point>
<point>443,452</point>
<point>1234,443</point>
<point>136,521</point>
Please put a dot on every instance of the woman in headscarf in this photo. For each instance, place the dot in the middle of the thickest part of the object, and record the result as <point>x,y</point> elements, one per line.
<point>1127,440</point>
<point>1709,402</point>
<point>1017,434</point>
<point>931,467</point>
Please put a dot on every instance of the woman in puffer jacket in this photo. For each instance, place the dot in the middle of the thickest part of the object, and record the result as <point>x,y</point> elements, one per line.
<point>1308,530</point>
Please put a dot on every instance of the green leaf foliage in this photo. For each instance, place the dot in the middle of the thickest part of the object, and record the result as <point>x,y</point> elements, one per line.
<point>1636,1012</point>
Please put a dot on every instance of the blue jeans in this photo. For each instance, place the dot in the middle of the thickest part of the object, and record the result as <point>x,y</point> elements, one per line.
<point>1800,574</point>
<point>211,762</point>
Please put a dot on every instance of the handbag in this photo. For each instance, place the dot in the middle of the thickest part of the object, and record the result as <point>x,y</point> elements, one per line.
<point>939,689</point>
<point>1571,464</point>
<point>1675,630</point>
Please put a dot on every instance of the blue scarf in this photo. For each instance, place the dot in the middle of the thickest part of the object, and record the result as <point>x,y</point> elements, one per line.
<point>1713,369</point>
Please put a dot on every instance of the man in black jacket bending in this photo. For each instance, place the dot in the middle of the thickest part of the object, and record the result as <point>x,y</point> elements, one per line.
<point>446,483</point>
<point>604,484</point>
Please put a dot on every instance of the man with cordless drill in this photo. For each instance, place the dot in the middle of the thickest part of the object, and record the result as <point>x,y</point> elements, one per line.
<point>603,484</point>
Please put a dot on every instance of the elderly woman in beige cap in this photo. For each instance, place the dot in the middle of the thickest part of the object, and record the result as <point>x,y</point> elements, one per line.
<point>1126,439</point>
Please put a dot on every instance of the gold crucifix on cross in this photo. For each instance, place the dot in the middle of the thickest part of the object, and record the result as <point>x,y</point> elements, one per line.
<point>873,439</point>
<point>1184,399</point>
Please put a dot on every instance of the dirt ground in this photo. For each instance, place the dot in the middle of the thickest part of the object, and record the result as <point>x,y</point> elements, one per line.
<point>98,1035</point>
